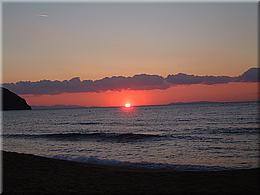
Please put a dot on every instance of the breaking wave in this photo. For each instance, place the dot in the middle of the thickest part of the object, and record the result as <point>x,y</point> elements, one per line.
<point>86,136</point>
<point>143,165</point>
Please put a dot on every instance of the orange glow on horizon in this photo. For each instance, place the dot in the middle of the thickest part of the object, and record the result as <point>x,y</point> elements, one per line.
<point>180,93</point>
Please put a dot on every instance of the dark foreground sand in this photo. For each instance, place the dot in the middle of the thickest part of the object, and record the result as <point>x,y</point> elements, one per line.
<point>34,174</point>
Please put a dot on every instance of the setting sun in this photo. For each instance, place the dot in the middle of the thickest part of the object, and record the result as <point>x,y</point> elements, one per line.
<point>127,105</point>
<point>95,90</point>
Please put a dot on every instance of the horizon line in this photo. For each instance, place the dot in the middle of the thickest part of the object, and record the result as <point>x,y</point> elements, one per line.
<point>71,106</point>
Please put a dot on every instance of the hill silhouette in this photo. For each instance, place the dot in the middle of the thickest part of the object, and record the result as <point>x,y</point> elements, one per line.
<point>11,101</point>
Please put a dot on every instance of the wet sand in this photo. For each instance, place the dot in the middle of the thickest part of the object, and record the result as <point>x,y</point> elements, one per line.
<point>33,174</point>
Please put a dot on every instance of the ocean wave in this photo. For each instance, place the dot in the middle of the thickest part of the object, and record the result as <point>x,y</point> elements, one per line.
<point>113,123</point>
<point>86,123</point>
<point>79,123</point>
<point>124,137</point>
<point>235,131</point>
<point>208,135</point>
<point>147,165</point>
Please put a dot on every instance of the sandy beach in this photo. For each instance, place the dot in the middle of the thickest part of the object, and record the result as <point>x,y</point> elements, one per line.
<point>33,174</point>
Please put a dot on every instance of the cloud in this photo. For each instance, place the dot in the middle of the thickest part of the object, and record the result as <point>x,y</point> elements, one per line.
<point>136,82</point>
<point>251,75</point>
<point>191,79</point>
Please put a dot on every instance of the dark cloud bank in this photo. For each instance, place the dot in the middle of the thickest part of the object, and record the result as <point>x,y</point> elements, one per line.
<point>137,82</point>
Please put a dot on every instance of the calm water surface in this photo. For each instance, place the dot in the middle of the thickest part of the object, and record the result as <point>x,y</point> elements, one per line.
<point>187,136</point>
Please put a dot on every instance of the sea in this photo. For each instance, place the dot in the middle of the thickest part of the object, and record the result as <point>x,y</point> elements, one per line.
<point>189,137</point>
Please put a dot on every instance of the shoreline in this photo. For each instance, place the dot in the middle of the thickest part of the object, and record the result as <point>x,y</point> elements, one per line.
<point>92,161</point>
<point>29,173</point>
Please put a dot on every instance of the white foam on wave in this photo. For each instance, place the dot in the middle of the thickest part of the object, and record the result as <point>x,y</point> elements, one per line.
<point>111,162</point>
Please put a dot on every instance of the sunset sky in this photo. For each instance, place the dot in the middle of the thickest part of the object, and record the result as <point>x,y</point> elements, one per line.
<point>60,41</point>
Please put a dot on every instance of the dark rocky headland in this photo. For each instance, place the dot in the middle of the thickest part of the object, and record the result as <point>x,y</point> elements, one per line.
<point>11,101</point>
